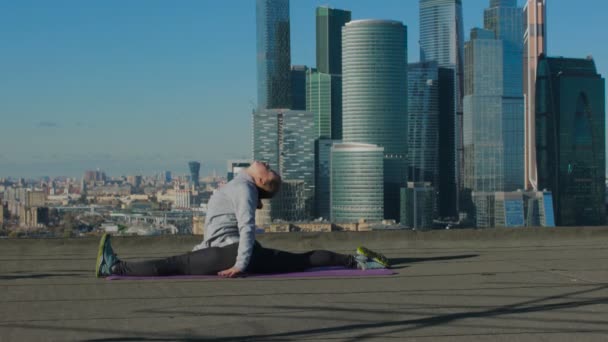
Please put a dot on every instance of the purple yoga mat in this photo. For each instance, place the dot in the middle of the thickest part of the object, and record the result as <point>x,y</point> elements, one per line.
<point>315,272</point>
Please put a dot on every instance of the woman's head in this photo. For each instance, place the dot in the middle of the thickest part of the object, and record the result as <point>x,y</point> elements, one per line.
<point>266,179</point>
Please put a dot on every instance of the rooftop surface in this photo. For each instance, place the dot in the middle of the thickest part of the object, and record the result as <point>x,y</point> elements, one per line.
<point>457,285</point>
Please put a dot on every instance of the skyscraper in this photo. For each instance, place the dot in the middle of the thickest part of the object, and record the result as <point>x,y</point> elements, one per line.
<point>357,182</point>
<point>442,41</point>
<point>483,129</point>
<point>273,54</point>
<point>195,168</point>
<point>285,140</point>
<point>323,177</point>
<point>504,18</point>
<point>374,85</point>
<point>329,39</point>
<point>298,87</point>
<point>535,44</point>
<point>570,139</point>
<point>423,122</point>
<point>324,85</point>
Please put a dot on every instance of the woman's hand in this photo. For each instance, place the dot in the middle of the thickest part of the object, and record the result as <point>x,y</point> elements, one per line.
<point>232,272</point>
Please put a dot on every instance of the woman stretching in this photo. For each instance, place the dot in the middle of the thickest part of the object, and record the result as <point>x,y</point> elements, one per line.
<point>229,248</point>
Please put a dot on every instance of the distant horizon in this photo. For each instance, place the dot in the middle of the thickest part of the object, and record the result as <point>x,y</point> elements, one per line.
<point>141,87</point>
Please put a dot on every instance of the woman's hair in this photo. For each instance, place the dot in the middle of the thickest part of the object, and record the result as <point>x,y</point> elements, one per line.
<point>274,185</point>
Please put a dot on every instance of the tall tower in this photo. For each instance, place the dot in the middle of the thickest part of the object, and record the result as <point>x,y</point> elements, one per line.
<point>195,168</point>
<point>442,41</point>
<point>535,44</point>
<point>374,101</point>
<point>273,54</point>
<point>504,18</point>
<point>570,139</point>
<point>329,39</point>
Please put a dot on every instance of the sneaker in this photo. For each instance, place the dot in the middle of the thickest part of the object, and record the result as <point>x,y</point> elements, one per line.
<point>363,263</point>
<point>106,258</point>
<point>374,256</point>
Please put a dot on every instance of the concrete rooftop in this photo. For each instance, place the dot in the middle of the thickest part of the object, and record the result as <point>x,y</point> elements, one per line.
<point>458,285</point>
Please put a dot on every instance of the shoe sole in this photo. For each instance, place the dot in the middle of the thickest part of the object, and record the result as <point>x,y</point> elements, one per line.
<point>102,244</point>
<point>375,256</point>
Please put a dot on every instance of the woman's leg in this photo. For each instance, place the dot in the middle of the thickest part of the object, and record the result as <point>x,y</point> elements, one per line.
<point>205,261</point>
<point>267,260</point>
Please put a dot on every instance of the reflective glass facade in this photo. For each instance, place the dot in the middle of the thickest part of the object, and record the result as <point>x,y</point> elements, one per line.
<point>273,54</point>
<point>324,98</point>
<point>417,205</point>
<point>423,122</point>
<point>374,66</point>
<point>298,87</point>
<point>329,39</point>
<point>442,41</point>
<point>357,190</point>
<point>570,139</point>
<point>323,177</point>
<point>285,139</point>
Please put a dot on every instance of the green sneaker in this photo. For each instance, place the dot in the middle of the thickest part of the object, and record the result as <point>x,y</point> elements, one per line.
<point>106,257</point>
<point>363,263</point>
<point>374,256</point>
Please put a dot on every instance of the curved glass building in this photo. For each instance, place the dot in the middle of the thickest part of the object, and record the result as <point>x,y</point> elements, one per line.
<point>374,97</point>
<point>357,190</point>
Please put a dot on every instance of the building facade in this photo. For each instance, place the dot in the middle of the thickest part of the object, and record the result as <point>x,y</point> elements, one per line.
<point>535,44</point>
<point>570,139</point>
<point>417,205</point>
<point>298,87</point>
<point>323,177</point>
<point>324,99</point>
<point>442,41</point>
<point>357,181</point>
<point>374,105</point>
<point>273,54</point>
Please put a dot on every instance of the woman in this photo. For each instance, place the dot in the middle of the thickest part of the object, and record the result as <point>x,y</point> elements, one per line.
<point>229,248</point>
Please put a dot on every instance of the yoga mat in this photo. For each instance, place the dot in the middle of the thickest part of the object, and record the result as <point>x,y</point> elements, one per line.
<point>315,272</point>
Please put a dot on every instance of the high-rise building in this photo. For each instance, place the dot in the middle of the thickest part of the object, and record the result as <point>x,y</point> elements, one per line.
<point>298,87</point>
<point>374,101</point>
<point>535,44</point>
<point>195,168</point>
<point>446,188</point>
<point>570,139</point>
<point>329,39</point>
<point>442,41</point>
<point>273,54</point>
<point>324,84</point>
<point>357,181</point>
<point>324,99</point>
<point>323,177</point>
<point>423,122</point>
<point>417,203</point>
<point>504,18</point>
<point>168,176</point>
<point>285,140</point>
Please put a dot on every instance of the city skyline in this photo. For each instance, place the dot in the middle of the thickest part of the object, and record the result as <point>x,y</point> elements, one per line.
<point>70,107</point>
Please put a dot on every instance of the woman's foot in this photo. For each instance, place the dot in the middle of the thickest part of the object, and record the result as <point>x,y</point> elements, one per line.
<point>374,256</point>
<point>363,263</point>
<point>106,258</point>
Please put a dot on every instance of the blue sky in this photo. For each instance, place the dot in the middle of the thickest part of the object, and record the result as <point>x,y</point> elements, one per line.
<point>140,86</point>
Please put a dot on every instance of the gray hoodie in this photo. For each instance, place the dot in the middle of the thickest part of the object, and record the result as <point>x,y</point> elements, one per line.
<point>231,218</point>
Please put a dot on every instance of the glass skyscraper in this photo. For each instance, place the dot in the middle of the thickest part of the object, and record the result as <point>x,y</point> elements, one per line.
<point>442,41</point>
<point>329,39</point>
<point>324,85</point>
<point>374,105</point>
<point>357,182</point>
<point>423,122</point>
<point>323,177</point>
<point>273,54</point>
<point>298,87</point>
<point>285,139</point>
<point>483,130</point>
<point>324,98</point>
<point>570,139</point>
